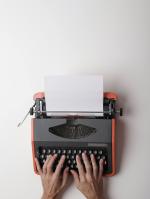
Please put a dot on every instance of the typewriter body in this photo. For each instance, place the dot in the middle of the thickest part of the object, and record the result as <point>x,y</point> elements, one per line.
<point>72,135</point>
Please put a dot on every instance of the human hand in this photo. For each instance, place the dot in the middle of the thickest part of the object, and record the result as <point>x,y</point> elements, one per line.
<point>89,180</point>
<point>52,182</point>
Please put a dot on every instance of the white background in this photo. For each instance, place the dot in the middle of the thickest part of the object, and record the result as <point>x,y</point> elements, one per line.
<point>45,37</point>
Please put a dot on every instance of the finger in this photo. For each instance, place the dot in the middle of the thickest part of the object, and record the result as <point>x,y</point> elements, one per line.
<point>65,176</point>
<point>87,163</point>
<point>46,163</point>
<point>80,168</point>
<point>75,176</point>
<point>39,170</point>
<point>60,165</point>
<point>50,163</point>
<point>100,169</point>
<point>94,166</point>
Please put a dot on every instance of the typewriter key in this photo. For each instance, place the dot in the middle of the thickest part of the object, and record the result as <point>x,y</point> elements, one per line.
<point>90,151</point>
<point>59,151</point>
<point>103,157</point>
<point>100,152</point>
<point>98,157</point>
<point>95,152</point>
<point>43,151</point>
<point>48,151</point>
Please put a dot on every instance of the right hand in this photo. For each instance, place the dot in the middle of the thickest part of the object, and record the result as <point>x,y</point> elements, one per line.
<point>89,180</point>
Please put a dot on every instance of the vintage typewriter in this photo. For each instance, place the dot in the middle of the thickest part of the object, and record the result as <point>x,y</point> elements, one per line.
<point>72,135</point>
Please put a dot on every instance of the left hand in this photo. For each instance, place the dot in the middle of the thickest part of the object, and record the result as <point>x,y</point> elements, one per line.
<point>53,182</point>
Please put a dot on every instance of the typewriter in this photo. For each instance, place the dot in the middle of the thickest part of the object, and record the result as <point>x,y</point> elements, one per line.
<point>72,135</point>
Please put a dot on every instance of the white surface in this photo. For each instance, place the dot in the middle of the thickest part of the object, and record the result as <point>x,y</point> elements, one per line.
<point>74,94</point>
<point>39,38</point>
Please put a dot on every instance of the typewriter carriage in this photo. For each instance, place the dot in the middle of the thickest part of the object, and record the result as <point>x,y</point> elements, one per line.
<point>109,103</point>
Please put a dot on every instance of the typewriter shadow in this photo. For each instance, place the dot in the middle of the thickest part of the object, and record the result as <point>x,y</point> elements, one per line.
<point>120,144</point>
<point>121,139</point>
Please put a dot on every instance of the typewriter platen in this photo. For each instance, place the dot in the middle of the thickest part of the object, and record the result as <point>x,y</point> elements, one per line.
<point>72,135</point>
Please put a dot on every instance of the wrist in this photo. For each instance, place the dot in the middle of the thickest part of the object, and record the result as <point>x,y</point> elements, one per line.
<point>96,197</point>
<point>45,196</point>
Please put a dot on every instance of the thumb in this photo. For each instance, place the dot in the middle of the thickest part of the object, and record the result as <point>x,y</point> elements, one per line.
<point>75,176</point>
<point>65,176</point>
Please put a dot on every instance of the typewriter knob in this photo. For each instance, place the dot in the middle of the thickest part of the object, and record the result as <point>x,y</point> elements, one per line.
<point>31,111</point>
<point>121,111</point>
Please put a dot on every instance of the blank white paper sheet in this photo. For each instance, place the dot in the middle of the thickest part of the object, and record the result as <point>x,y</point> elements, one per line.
<point>74,94</point>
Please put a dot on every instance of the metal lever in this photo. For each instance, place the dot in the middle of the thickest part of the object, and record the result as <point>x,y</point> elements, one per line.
<point>31,111</point>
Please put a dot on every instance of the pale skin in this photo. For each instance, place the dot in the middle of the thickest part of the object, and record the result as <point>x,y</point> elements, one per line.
<point>88,179</point>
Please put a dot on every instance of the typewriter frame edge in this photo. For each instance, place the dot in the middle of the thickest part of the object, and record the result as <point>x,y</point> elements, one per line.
<point>109,95</point>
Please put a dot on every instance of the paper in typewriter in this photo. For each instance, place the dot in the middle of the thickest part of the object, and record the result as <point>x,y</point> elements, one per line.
<point>74,95</point>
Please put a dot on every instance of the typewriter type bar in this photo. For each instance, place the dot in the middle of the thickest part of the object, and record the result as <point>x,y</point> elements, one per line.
<point>72,135</point>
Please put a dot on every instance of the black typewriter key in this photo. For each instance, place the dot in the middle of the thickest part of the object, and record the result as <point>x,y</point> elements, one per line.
<point>48,151</point>
<point>54,151</point>
<point>90,152</point>
<point>64,151</point>
<point>69,161</point>
<point>43,151</point>
<point>58,151</point>
<point>72,157</point>
<point>74,162</point>
<point>74,151</point>
<point>69,151</point>
<point>71,166</point>
<point>103,157</point>
<point>100,152</point>
<point>95,152</point>
<point>105,164</point>
<point>42,156</point>
<point>80,151</point>
<point>98,157</point>
<point>67,157</point>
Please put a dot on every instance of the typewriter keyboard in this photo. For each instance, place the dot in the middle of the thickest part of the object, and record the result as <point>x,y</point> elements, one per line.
<point>70,153</point>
